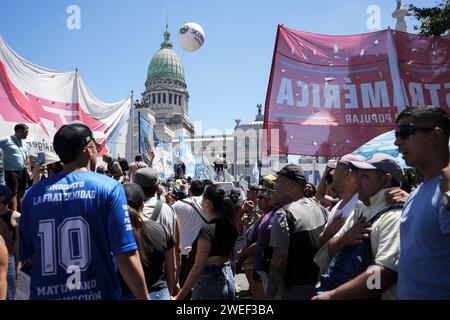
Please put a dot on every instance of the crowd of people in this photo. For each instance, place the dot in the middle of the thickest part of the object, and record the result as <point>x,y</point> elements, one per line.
<point>368,231</point>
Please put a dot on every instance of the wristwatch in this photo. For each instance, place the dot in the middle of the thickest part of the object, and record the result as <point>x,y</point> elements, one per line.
<point>446,199</point>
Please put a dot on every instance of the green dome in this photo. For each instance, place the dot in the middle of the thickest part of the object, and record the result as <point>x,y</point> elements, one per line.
<point>165,63</point>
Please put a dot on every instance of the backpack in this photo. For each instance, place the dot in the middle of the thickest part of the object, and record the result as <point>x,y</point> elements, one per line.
<point>349,262</point>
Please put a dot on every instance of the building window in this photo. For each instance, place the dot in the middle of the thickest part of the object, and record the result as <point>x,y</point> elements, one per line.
<point>179,101</point>
<point>153,98</point>
<point>164,98</point>
<point>175,99</point>
<point>159,98</point>
<point>170,98</point>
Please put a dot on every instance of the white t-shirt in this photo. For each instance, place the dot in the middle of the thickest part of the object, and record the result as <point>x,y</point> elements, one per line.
<point>346,210</point>
<point>190,221</point>
<point>167,216</point>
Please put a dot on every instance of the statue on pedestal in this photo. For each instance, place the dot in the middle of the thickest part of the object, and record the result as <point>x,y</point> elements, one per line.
<point>400,13</point>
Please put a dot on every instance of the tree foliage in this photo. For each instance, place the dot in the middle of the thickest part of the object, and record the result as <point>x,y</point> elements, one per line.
<point>434,20</point>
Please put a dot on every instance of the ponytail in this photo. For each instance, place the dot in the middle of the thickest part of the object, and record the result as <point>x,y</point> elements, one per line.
<point>222,204</point>
<point>144,244</point>
<point>228,212</point>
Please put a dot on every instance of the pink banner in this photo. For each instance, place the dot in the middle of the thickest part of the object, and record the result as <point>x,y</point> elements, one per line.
<point>424,63</point>
<point>328,95</point>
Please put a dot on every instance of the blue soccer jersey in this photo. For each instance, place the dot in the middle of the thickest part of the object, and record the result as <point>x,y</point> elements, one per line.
<point>72,226</point>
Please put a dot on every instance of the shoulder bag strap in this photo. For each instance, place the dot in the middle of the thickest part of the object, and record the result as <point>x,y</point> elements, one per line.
<point>196,210</point>
<point>157,210</point>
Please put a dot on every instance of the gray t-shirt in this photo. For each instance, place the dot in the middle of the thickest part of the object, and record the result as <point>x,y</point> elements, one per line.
<point>167,216</point>
<point>279,233</point>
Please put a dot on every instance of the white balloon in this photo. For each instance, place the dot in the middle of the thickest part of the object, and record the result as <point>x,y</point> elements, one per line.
<point>191,36</point>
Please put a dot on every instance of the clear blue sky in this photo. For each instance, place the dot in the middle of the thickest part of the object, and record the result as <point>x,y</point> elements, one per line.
<point>226,78</point>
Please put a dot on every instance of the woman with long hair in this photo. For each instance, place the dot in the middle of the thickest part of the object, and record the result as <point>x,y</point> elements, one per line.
<point>211,277</point>
<point>155,245</point>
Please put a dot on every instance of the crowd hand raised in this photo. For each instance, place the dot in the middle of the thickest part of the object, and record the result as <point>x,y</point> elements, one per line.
<point>38,168</point>
<point>359,232</point>
<point>396,196</point>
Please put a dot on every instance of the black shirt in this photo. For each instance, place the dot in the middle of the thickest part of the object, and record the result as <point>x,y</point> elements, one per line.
<point>221,235</point>
<point>162,242</point>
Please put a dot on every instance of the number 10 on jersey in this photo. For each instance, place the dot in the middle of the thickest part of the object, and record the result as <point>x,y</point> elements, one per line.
<point>72,241</point>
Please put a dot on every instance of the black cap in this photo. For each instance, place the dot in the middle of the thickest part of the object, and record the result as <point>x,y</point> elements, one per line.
<point>71,138</point>
<point>293,172</point>
<point>135,195</point>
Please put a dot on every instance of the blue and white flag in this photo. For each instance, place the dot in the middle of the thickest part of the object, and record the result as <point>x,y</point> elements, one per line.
<point>145,136</point>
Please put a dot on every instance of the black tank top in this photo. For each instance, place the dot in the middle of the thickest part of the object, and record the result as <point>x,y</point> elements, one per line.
<point>7,218</point>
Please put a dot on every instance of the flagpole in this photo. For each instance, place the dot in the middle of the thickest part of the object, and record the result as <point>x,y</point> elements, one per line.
<point>132,125</point>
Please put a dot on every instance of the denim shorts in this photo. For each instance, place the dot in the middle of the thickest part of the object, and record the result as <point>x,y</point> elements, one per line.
<point>162,294</point>
<point>215,283</point>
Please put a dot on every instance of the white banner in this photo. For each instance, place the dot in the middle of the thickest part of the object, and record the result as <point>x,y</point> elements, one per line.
<point>45,100</point>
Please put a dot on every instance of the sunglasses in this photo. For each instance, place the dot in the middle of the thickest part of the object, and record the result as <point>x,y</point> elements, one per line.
<point>403,131</point>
